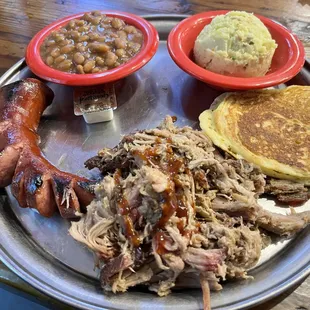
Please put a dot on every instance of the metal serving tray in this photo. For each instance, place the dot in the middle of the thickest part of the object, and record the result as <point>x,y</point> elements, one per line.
<point>41,251</point>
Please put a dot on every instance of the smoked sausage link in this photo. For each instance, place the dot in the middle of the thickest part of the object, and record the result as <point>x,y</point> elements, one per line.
<point>36,183</point>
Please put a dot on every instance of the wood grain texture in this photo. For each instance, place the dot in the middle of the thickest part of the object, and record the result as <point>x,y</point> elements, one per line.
<point>296,298</point>
<point>21,19</point>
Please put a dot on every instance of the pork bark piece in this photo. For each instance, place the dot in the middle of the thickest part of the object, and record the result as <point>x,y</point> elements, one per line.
<point>287,191</point>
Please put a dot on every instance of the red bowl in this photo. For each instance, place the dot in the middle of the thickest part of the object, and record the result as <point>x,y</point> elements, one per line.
<point>148,50</point>
<point>287,61</point>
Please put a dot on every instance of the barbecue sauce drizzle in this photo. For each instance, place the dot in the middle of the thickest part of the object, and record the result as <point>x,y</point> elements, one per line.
<point>124,210</point>
<point>172,197</point>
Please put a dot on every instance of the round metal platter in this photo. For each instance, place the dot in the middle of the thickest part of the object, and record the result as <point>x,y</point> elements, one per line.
<point>41,251</point>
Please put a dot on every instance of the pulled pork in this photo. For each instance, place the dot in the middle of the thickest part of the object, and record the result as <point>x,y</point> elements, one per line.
<point>171,203</point>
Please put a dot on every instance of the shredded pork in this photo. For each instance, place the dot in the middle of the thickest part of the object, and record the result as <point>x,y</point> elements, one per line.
<point>171,203</point>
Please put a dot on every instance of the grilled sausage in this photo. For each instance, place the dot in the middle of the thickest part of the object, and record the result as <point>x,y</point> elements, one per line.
<point>36,183</point>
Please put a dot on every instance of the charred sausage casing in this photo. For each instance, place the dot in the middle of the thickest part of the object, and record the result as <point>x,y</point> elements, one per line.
<point>36,183</point>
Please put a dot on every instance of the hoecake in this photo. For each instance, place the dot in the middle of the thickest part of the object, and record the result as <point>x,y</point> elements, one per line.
<point>270,128</point>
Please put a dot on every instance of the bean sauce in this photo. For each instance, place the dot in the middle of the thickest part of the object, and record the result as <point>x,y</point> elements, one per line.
<point>92,44</point>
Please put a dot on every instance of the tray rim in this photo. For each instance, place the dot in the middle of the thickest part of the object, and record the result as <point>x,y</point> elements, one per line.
<point>30,279</point>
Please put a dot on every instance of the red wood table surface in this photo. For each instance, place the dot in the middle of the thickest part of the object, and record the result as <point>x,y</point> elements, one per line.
<point>21,19</point>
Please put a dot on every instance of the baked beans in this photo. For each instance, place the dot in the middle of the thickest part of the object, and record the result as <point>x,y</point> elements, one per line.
<point>92,44</point>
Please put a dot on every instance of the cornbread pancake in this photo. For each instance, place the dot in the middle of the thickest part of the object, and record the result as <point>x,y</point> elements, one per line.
<point>270,128</point>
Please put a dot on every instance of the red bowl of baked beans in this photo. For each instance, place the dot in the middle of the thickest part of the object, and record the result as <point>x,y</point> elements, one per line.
<point>92,48</point>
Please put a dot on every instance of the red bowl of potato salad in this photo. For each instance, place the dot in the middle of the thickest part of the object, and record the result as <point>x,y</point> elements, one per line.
<point>287,60</point>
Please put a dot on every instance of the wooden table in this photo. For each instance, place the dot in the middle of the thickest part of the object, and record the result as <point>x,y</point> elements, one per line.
<point>21,19</point>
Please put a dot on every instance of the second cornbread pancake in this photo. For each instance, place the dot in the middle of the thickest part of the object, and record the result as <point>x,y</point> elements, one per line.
<point>270,128</point>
